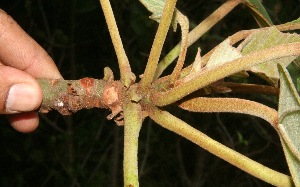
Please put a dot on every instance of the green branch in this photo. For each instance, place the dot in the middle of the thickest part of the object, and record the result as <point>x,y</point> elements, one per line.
<point>127,77</point>
<point>258,170</point>
<point>69,96</point>
<point>132,126</point>
<point>158,43</point>
<point>184,24</point>
<point>211,75</point>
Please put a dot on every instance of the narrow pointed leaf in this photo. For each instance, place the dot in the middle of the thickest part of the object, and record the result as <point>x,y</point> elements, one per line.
<point>197,64</point>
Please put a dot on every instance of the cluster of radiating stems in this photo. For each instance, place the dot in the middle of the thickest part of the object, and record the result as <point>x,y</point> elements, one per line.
<point>152,97</point>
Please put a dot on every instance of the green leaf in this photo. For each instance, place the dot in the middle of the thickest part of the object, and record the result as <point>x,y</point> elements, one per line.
<point>223,53</point>
<point>289,122</point>
<point>293,163</point>
<point>259,12</point>
<point>154,6</point>
<point>289,112</point>
<point>157,7</point>
<point>265,39</point>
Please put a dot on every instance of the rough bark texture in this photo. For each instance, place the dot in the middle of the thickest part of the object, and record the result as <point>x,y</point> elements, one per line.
<point>69,96</point>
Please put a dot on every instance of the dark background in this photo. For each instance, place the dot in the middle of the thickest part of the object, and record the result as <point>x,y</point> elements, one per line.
<point>86,150</point>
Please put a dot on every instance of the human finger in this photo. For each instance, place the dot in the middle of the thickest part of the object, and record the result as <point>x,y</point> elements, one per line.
<point>24,122</point>
<point>20,92</point>
<point>19,50</point>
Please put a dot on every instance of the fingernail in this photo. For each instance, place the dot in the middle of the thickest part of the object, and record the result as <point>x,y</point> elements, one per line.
<point>21,98</point>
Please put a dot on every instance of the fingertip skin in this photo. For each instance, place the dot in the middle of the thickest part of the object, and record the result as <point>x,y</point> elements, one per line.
<point>10,77</point>
<point>22,60</point>
<point>24,122</point>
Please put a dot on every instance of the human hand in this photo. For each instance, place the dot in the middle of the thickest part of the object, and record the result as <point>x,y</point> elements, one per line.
<point>21,61</point>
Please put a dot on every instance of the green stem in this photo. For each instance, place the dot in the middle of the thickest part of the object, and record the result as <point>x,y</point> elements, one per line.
<point>132,126</point>
<point>256,169</point>
<point>211,75</point>
<point>69,96</point>
<point>184,24</point>
<point>127,77</point>
<point>196,33</point>
<point>158,43</point>
<point>233,105</point>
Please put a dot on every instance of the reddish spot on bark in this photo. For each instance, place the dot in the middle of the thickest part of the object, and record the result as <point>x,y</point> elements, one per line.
<point>110,95</point>
<point>87,84</point>
<point>112,100</point>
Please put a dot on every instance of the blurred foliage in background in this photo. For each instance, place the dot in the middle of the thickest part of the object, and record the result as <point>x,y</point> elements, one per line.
<point>86,150</point>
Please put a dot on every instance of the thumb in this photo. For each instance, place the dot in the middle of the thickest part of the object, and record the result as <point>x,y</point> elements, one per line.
<point>19,91</point>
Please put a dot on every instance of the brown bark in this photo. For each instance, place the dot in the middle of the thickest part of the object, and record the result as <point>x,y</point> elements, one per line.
<point>69,96</point>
